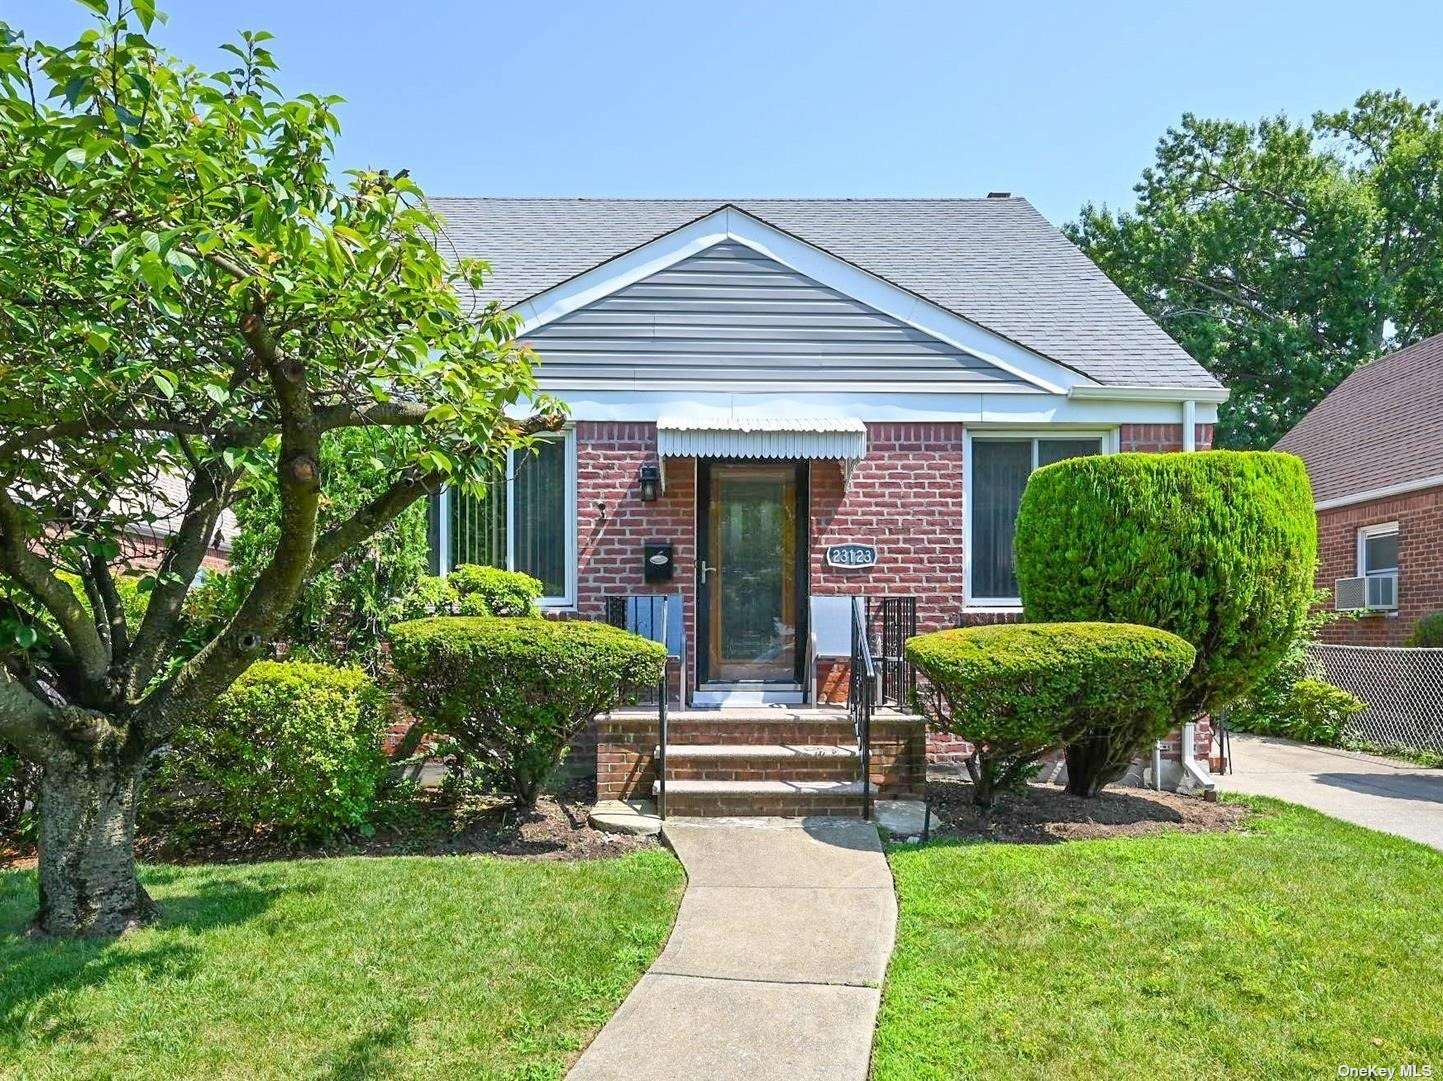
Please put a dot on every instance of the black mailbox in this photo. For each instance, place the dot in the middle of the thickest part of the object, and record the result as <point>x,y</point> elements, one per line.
<point>657,565</point>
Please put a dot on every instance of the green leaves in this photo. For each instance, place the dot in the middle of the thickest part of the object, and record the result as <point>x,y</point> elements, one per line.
<point>1282,255</point>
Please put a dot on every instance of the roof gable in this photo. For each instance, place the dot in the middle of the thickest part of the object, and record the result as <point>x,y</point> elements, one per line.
<point>996,263</point>
<point>732,317</point>
<point>1381,427</point>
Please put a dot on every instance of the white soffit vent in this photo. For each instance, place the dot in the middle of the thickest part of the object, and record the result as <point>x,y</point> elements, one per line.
<point>838,438</point>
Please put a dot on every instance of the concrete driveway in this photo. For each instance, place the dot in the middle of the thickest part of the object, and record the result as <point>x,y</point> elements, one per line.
<point>1381,793</point>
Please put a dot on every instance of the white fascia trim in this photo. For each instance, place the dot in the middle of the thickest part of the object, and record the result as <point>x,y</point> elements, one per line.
<point>1215,395</point>
<point>730,223</point>
<point>1402,488</point>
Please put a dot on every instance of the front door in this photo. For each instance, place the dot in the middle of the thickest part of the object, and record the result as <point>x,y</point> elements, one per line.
<point>751,579</point>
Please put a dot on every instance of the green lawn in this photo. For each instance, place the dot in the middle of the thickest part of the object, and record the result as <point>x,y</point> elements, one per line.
<point>1286,950</point>
<point>347,968</point>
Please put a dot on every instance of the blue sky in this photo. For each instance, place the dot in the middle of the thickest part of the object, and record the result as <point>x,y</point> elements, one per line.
<point>1060,102</point>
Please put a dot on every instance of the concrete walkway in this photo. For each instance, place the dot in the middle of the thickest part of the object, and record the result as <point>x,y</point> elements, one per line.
<point>1381,793</point>
<point>774,968</point>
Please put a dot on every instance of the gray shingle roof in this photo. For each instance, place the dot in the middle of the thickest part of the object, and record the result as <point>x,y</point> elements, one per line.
<point>1381,426</point>
<point>995,262</point>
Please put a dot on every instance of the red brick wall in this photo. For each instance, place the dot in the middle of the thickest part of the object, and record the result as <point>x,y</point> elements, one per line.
<point>1420,563</point>
<point>1161,438</point>
<point>906,498</point>
<point>612,523</point>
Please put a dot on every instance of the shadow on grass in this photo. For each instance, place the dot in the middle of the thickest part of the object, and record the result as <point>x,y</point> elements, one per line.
<point>367,1055</point>
<point>44,975</point>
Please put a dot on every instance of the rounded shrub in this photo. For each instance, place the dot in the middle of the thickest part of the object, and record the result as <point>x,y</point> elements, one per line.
<point>513,693</point>
<point>471,590</point>
<point>1218,547</point>
<point>291,748</point>
<point>1428,631</point>
<point>1306,709</point>
<point>489,591</point>
<point>1016,691</point>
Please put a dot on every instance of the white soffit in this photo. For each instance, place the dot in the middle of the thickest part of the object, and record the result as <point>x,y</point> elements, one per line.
<point>839,438</point>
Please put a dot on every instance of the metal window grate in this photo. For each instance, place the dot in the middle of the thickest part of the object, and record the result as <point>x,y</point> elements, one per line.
<point>1402,688</point>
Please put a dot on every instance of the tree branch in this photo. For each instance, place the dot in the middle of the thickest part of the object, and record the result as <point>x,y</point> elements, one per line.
<point>173,578</point>
<point>36,577</point>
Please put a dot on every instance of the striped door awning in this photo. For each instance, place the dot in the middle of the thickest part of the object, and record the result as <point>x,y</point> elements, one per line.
<point>837,438</point>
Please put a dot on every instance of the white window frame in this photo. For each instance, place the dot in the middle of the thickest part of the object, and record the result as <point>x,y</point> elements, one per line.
<point>443,537</point>
<point>1107,439</point>
<point>1366,533</point>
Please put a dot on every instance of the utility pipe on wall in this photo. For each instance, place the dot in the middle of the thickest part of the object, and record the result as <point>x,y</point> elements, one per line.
<point>1190,767</point>
<point>1189,425</point>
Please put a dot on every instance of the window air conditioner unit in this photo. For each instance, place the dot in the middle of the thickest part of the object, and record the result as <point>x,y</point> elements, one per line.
<point>1372,593</point>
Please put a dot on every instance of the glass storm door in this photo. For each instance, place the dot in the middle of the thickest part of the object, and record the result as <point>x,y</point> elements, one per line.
<point>752,528</point>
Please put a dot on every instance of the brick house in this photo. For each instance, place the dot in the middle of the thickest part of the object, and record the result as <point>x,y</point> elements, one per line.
<point>777,405</point>
<point>1374,450</point>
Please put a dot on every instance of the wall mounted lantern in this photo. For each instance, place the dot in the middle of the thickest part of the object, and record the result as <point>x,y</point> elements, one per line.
<point>650,481</point>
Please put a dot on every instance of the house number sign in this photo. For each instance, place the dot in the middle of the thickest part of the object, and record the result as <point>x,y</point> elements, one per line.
<point>851,555</point>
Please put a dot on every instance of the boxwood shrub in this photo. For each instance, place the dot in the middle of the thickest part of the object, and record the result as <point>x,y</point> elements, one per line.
<point>1218,547</point>
<point>472,590</point>
<point>514,692</point>
<point>1016,691</point>
<point>291,748</point>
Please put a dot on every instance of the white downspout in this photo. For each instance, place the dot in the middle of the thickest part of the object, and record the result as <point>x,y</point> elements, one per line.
<point>1189,425</point>
<point>1190,767</point>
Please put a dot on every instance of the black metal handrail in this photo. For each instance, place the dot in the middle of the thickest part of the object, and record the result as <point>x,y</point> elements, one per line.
<point>661,727</point>
<point>861,696</point>
<point>899,679</point>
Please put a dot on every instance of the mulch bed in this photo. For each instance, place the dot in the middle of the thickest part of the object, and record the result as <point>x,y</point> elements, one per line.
<point>556,830</point>
<point>1046,814</point>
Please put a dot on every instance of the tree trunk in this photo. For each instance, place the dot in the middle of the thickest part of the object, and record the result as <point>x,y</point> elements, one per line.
<point>1091,766</point>
<point>88,884</point>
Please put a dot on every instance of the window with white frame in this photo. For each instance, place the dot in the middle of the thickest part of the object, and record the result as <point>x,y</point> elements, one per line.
<point>998,468</point>
<point>525,522</point>
<point>1378,550</point>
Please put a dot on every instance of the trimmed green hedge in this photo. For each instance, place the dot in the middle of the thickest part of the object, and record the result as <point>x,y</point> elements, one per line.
<point>291,747</point>
<point>472,590</point>
<point>1218,547</point>
<point>514,692</point>
<point>1016,691</point>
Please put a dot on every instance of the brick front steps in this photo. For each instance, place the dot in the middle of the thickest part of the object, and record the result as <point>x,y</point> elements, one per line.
<point>787,761</point>
<point>783,799</point>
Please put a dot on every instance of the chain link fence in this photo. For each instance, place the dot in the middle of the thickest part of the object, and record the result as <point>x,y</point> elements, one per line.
<point>1401,687</point>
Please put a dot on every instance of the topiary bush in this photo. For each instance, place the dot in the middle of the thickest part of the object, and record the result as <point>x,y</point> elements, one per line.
<point>1218,547</point>
<point>1016,691</point>
<point>292,748</point>
<point>1428,631</point>
<point>514,692</point>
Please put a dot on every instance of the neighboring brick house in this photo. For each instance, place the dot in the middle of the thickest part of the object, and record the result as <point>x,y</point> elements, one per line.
<point>786,402</point>
<point>1374,450</point>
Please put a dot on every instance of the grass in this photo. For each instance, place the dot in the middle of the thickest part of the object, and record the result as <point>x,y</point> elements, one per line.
<point>1286,950</point>
<point>344,968</point>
